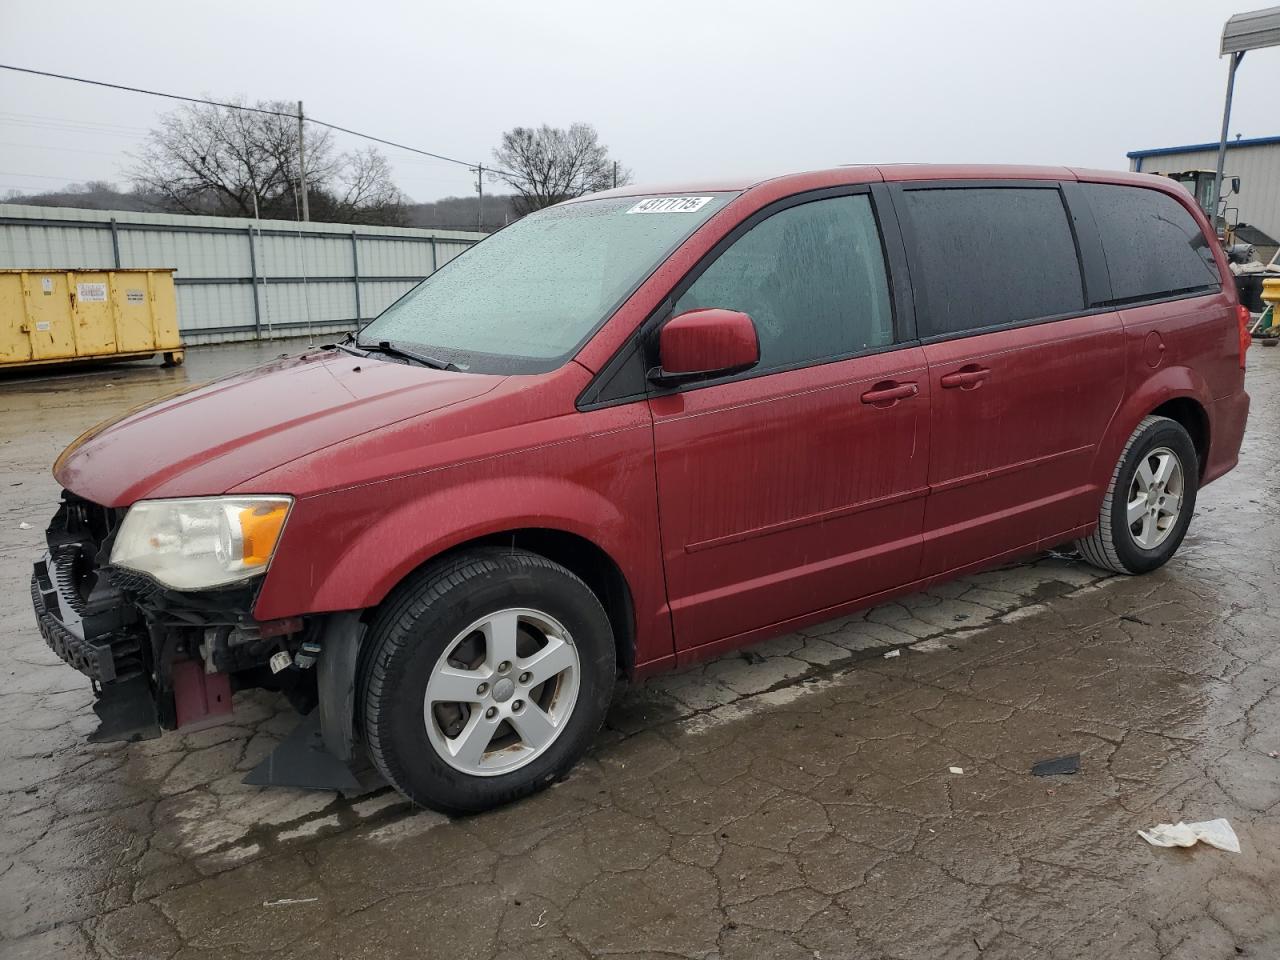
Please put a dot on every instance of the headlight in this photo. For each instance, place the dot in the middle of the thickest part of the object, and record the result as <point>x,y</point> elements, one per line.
<point>200,543</point>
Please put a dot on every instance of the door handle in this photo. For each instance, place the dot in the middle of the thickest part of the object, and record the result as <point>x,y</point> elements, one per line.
<point>890,392</point>
<point>965,378</point>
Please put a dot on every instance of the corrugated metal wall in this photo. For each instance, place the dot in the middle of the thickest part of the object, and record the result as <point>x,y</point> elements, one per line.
<point>238,279</point>
<point>1258,168</point>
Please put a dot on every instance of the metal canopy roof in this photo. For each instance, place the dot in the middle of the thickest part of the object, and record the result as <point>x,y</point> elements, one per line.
<point>1250,31</point>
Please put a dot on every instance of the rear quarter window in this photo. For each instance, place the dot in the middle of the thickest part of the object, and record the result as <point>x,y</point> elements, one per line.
<point>1154,247</point>
<point>988,256</point>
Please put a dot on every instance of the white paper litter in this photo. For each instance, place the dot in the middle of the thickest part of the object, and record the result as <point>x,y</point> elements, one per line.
<point>959,770</point>
<point>1216,833</point>
<point>288,902</point>
<point>893,653</point>
<point>24,525</point>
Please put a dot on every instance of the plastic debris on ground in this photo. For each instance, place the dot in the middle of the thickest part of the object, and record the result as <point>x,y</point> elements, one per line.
<point>1057,766</point>
<point>1216,833</point>
<point>956,769</point>
<point>892,653</point>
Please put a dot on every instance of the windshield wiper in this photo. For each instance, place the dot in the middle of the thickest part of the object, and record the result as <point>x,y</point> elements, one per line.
<point>391,349</point>
<point>345,347</point>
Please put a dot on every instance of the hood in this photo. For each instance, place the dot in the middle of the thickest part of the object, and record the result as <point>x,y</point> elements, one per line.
<point>208,439</point>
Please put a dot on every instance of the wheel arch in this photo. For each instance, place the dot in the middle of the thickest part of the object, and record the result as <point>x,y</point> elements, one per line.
<point>1191,414</point>
<point>578,554</point>
<point>1179,393</point>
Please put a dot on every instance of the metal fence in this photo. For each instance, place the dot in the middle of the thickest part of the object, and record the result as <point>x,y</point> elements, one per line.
<point>238,279</point>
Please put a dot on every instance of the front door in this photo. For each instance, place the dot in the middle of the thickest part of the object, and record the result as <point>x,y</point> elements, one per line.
<point>798,485</point>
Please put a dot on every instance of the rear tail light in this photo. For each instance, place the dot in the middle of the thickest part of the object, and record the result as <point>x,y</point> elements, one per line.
<point>1245,320</point>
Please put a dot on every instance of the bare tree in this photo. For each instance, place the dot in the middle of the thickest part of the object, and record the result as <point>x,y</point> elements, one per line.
<point>204,159</point>
<point>550,164</point>
<point>365,191</point>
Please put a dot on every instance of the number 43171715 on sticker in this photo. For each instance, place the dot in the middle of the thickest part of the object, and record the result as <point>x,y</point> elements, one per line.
<point>670,205</point>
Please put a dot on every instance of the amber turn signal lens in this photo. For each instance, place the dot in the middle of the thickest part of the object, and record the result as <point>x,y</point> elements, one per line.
<point>260,528</point>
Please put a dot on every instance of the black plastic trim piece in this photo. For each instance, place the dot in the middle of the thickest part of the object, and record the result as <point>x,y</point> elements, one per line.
<point>340,637</point>
<point>1190,293</point>
<point>302,760</point>
<point>897,263</point>
<point>1093,261</point>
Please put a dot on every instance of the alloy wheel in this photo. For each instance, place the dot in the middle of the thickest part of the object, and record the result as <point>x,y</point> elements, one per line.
<point>1155,498</point>
<point>502,692</point>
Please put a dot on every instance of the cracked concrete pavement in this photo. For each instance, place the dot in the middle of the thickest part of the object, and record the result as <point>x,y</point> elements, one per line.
<point>792,800</point>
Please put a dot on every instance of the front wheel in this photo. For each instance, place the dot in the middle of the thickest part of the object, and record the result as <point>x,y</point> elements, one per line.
<point>485,679</point>
<point>1149,502</point>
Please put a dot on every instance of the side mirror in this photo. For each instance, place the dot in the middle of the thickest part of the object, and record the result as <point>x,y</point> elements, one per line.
<point>1235,184</point>
<point>703,343</point>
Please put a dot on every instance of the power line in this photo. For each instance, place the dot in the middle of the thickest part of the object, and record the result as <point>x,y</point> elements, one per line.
<point>68,128</point>
<point>153,93</point>
<point>39,176</point>
<point>41,146</point>
<point>84,123</point>
<point>390,143</point>
<point>233,106</point>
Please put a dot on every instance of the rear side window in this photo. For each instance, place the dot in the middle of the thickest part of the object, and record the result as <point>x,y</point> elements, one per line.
<point>813,279</point>
<point>1154,247</point>
<point>986,256</point>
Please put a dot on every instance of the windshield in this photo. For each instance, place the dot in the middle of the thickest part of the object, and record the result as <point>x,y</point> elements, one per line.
<point>526,298</point>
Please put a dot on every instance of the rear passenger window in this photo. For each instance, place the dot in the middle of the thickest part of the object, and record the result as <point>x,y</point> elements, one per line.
<point>1154,247</point>
<point>986,256</point>
<point>813,279</point>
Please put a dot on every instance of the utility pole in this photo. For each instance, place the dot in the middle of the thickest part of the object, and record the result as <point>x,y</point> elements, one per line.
<point>480,191</point>
<point>1222,141</point>
<point>615,174</point>
<point>302,165</point>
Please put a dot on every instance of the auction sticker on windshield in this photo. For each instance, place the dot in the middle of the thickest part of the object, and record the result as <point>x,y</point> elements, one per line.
<point>671,205</point>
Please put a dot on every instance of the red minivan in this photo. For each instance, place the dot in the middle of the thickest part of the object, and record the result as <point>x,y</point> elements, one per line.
<point>638,429</point>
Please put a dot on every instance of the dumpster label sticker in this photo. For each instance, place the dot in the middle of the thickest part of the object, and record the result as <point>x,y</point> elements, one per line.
<point>671,205</point>
<point>135,296</point>
<point>91,292</point>
<point>42,326</point>
<point>46,284</point>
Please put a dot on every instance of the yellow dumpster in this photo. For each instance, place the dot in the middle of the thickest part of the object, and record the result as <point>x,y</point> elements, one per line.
<point>49,316</point>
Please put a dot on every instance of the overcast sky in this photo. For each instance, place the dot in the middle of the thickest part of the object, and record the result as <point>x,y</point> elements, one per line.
<point>677,89</point>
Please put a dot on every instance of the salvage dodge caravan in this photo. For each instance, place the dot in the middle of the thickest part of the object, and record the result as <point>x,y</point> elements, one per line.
<point>639,429</point>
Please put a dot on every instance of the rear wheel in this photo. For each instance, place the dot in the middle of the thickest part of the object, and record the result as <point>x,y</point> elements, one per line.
<point>485,679</point>
<point>1149,502</point>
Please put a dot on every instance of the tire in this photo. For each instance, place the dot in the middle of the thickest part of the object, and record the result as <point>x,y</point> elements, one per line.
<point>1143,546</point>
<point>450,629</point>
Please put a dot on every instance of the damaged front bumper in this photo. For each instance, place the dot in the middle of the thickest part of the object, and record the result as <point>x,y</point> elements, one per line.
<point>91,625</point>
<point>161,659</point>
<point>103,643</point>
<point>157,659</point>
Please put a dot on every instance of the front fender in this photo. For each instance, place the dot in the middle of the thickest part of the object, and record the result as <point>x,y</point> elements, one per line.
<point>347,549</point>
<point>414,531</point>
